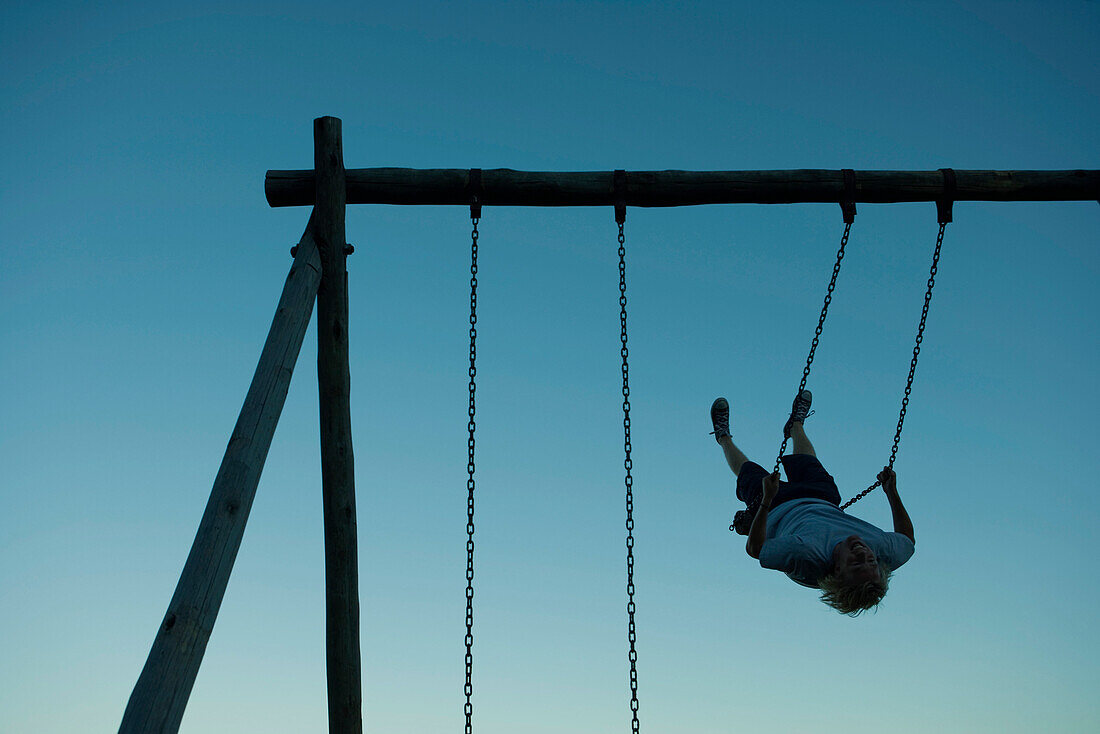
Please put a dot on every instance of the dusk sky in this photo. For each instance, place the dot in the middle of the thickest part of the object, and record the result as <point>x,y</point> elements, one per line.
<point>142,267</point>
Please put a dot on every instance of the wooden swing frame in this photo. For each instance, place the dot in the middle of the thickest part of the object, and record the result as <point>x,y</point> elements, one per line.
<point>319,272</point>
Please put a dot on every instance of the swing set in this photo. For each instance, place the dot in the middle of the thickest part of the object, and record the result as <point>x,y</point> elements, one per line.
<point>319,273</point>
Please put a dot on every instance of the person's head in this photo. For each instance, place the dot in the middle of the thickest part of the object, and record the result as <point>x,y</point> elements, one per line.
<point>857,581</point>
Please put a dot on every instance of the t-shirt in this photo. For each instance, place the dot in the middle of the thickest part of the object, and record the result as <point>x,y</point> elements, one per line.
<point>802,534</point>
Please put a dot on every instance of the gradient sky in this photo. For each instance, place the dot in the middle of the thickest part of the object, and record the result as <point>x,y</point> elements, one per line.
<point>142,266</point>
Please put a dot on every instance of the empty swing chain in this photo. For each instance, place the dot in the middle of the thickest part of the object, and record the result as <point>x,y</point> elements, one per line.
<point>475,216</point>
<point>912,364</point>
<point>632,637</point>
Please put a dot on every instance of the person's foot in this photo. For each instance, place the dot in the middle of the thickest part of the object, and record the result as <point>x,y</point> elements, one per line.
<point>800,411</point>
<point>720,418</point>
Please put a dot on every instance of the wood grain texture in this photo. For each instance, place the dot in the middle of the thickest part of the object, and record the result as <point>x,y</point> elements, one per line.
<point>160,695</point>
<point>345,697</point>
<point>505,187</point>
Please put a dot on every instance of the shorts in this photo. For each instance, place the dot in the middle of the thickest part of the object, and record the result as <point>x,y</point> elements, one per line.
<point>807,480</point>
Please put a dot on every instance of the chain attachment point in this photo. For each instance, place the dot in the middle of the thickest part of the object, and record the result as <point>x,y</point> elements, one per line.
<point>848,201</point>
<point>473,188</point>
<point>618,193</point>
<point>944,205</point>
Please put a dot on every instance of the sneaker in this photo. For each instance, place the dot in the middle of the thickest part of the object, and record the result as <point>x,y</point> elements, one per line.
<point>800,411</point>
<point>720,418</point>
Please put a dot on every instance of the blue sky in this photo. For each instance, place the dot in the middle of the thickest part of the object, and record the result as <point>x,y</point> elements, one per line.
<point>142,267</point>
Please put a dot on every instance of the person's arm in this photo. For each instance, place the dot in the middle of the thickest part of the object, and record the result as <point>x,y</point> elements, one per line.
<point>759,531</point>
<point>902,523</point>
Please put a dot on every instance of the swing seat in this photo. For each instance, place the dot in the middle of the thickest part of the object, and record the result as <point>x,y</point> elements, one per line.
<point>742,520</point>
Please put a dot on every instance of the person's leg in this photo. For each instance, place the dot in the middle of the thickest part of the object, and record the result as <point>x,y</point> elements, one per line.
<point>802,444</point>
<point>734,457</point>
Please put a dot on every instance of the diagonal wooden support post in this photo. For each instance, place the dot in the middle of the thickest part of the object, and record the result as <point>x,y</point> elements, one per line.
<point>345,695</point>
<point>160,695</point>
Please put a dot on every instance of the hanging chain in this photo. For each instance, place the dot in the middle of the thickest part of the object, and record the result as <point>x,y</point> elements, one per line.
<point>632,636</point>
<point>820,327</point>
<point>470,483</point>
<point>912,364</point>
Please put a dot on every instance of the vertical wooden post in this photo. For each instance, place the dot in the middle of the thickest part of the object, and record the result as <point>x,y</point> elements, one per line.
<point>345,696</point>
<point>162,689</point>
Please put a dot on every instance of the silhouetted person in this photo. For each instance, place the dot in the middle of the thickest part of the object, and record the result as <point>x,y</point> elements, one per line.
<point>797,527</point>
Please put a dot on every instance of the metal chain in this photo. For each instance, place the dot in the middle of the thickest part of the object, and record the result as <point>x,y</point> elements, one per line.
<point>912,364</point>
<point>470,483</point>
<point>632,636</point>
<point>817,331</point>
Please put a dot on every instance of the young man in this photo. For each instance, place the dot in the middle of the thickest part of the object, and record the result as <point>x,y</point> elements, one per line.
<point>797,527</point>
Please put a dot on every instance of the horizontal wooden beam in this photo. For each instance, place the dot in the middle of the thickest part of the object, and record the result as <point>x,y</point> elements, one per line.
<point>505,187</point>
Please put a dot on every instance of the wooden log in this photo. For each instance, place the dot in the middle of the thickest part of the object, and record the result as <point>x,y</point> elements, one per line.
<point>162,690</point>
<point>505,187</point>
<point>345,696</point>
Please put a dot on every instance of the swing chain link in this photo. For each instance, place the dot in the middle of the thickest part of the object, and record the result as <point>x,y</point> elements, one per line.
<point>628,465</point>
<point>469,709</point>
<point>912,364</point>
<point>752,507</point>
<point>818,330</point>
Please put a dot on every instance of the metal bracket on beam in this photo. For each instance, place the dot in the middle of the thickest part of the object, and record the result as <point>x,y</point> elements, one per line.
<point>618,192</point>
<point>473,189</point>
<point>944,205</point>
<point>848,202</point>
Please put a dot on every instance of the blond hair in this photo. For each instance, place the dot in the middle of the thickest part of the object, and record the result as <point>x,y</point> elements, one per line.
<point>854,598</point>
